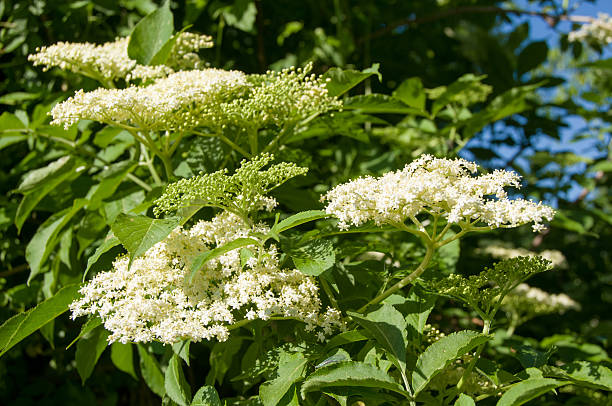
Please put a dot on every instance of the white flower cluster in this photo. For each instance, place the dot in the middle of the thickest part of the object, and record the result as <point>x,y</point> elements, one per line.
<point>110,61</point>
<point>528,302</point>
<point>176,102</point>
<point>556,258</point>
<point>155,300</point>
<point>440,187</point>
<point>599,30</point>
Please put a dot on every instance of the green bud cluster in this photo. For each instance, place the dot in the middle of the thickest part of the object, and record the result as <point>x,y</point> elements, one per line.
<point>484,291</point>
<point>243,192</point>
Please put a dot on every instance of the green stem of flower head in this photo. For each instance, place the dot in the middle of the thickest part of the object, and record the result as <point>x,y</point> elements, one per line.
<point>227,141</point>
<point>405,281</point>
<point>176,143</point>
<point>462,382</point>
<point>149,164</point>
<point>253,141</point>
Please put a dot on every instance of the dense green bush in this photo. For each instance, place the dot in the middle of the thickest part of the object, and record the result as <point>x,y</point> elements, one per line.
<point>302,235</point>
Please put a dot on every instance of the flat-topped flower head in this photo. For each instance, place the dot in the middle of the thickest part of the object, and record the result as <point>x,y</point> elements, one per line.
<point>156,300</point>
<point>447,188</point>
<point>180,101</point>
<point>110,61</point>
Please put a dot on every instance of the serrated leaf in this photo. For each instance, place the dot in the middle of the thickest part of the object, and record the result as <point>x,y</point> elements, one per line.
<point>298,219</point>
<point>201,259</point>
<point>586,373</point>
<point>345,338</point>
<point>111,178</point>
<point>89,325</point>
<point>351,373</point>
<point>411,93</point>
<point>290,370</point>
<point>150,34</point>
<point>206,396</point>
<point>109,242</point>
<point>181,349</point>
<point>417,307</point>
<point>343,80</point>
<point>151,372</point>
<point>139,233</point>
<point>441,354</point>
<point>42,243</point>
<point>175,383</point>
<point>388,327</point>
<point>122,356</point>
<point>464,400</point>
<point>23,324</point>
<point>88,350</point>
<point>524,391</point>
<point>314,257</point>
<point>529,357</point>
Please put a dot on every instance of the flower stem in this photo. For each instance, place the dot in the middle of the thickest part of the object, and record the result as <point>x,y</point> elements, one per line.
<point>468,370</point>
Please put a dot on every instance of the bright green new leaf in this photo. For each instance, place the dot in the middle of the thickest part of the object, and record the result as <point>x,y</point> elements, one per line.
<point>290,370</point>
<point>175,383</point>
<point>206,396</point>
<point>350,373</point>
<point>411,93</point>
<point>150,35</point>
<point>343,80</point>
<point>139,233</point>
<point>122,356</point>
<point>298,219</point>
<point>201,259</point>
<point>89,349</point>
<point>441,354</point>
<point>524,391</point>
<point>151,373</point>
<point>23,324</point>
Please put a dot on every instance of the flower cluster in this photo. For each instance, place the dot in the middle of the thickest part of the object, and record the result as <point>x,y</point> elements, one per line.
<point>155,298</point>
<point>599,31</point>
<point>556,258</point>
<point>526,302</point>
<point>176,102</point>
<point>276,98</point>
<point>243,192</point>
<point>439,187</point>
<point>485,290</point>
<point>109,62</point>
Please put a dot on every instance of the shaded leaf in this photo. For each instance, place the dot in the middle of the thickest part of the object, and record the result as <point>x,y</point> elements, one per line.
<point>122,356</point>
<point>109,242</point>
<point>524,391</point>
<point>89,349</point>
<point>464,400</point>
<point>175,383</point>
<point>151,372</point>
<point>150,34</point>
<point>411,93</point>
<point>206,396</point>
<point>291,368</point>
<point>201,259</point>
<point>314,257</point>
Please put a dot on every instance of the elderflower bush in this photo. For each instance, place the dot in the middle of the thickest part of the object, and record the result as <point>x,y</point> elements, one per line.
<point>238,274</point>
<point>598,31</point>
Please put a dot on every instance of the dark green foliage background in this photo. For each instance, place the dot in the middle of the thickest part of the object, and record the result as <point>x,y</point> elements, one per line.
<point>435,41</point>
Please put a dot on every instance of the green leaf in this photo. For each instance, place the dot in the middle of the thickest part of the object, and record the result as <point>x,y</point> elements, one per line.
<point>89,325</point>
<point>201,259</point>
<point>45,239</point>
<point>441,354</point>
<point>206,396</point>
<point>532,56</point>
<point>584,373</point>
<point>411,93</point>
<point>290,370</point>
<point>139,233</point>
<point>23,324</point>
<point>151,373</point>
<point>314,257</point>
<point>163,54</point>
<point>111,178</point>
<point>343,80</point>
<point>379,103</point>
<point>600,64</point>
<point>464,400</point>
<point>122,356</point>
<point>524,391</point>
<point>150,34</point>
<point>89,349</point>
<point>241,14</point>
<point>109,242</point>
<point>39,182</point>
<point>388,327</point>
<point>298,219</point>
<point>417,307</point>
<point>346,337</point>
<point>181,349</point>
<point>175,383</point>
<point>9,130</point>
<point>529,357</point>
<point>351,374</point>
